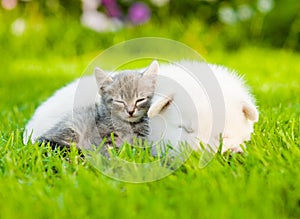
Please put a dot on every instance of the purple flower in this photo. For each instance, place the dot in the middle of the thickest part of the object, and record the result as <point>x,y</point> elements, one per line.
<point>112,8</point>
<point>139,13</point>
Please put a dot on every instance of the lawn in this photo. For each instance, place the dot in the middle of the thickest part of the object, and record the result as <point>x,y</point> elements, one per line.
<point>36,182</point>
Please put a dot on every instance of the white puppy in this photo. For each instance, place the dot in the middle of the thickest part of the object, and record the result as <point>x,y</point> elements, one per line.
<point>195,111</point>
<point>193,102</point>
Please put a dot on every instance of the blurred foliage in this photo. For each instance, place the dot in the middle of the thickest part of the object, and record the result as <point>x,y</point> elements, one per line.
<point>272,22</point>
<point>228,24</point>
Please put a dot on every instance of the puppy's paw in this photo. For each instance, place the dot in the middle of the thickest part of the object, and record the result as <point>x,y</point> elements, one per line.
<point>233,148</point>
<point>236,150</point>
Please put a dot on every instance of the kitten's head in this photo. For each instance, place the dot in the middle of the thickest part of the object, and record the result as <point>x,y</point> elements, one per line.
<point>128,94</point>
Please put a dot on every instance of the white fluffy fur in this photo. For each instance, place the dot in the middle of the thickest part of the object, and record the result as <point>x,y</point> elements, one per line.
<point>182,123</point>
<point>175,121</point>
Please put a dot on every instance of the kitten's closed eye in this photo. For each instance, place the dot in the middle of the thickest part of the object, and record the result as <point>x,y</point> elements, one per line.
<point>141,100</point>
<point>119,102</point>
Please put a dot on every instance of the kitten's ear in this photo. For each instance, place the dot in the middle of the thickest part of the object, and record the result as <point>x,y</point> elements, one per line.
<point>152,69</point>
<point>159,106</point>
<point>101,77</point>
<point>250,111</point>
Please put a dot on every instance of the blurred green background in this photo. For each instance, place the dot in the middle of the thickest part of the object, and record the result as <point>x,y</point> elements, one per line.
<point>38,28</point>
<point>46,44</point>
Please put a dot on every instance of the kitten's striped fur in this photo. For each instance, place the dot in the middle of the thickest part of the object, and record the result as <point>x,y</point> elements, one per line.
<point>125,100</point>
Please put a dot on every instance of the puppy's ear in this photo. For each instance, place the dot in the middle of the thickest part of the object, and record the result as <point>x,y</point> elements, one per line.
<point>152,69</point>
<point>101,77</point>
<point>250,111</point>
<point>159,106</point>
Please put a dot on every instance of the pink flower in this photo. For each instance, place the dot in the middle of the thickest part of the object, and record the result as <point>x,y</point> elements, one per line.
<point>139,13</point>
<point>112,8</point>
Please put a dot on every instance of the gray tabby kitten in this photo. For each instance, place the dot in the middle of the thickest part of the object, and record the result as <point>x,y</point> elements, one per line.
<point>125,100</point>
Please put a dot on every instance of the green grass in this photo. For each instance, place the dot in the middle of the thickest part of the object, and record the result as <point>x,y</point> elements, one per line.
<point>36,182</point>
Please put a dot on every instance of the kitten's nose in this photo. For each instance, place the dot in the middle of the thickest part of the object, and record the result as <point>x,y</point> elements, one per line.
<point>130,110</point>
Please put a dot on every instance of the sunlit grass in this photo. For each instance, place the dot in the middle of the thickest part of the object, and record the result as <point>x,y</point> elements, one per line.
<point>263,183</point>
<point>37,182</point>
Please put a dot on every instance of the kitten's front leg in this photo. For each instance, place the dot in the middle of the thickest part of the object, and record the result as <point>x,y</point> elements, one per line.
<point>113,141</point>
